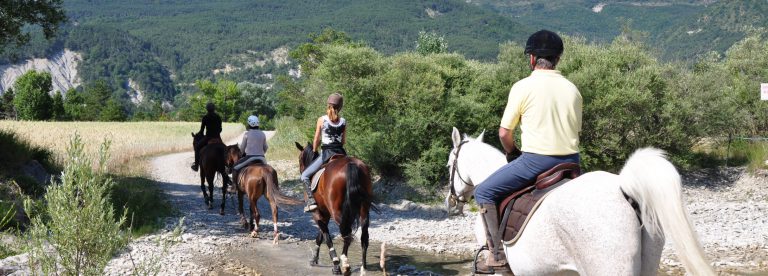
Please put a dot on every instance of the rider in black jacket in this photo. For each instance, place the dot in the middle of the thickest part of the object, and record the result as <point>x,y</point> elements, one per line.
<point>211,123</point>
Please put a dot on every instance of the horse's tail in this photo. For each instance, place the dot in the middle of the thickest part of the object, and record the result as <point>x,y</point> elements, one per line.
<point>273,192</point>
<point>652,181</point>
<point>355,197</point>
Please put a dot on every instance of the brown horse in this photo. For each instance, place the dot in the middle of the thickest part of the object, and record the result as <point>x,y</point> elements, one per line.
<point>211,162</point>
<point>343,193</point>
<point>255,180</point>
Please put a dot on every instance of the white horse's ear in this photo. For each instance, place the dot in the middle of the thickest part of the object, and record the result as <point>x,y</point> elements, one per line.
<point>456,137</point>
<point>480,137</point>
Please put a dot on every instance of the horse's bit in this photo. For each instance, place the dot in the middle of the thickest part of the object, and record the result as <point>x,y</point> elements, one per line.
<point>455,171</point>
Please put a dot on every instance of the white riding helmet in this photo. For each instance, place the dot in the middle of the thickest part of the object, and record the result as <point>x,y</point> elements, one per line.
<point>253,121</point>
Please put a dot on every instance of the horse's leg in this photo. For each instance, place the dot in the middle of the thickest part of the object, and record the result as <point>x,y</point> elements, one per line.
<point>253,200</point>
<point>344,260</point>
<point>273,204</point>
<point>202,187</point>
<point>243,221</point>
<point>224,183</point>
<point>318,242</point>
<point>323,224</point>
<point>364,223</point>
<point>210,190</point>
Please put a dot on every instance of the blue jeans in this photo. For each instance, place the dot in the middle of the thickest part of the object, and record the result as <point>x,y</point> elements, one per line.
<point>311,169</point>
<point>516,175</point>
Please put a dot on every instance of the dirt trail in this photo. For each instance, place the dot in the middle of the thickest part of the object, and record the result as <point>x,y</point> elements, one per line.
<point>213,244</point>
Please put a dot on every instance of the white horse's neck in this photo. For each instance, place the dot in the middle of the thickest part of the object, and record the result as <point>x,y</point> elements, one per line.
<point>479,160</point>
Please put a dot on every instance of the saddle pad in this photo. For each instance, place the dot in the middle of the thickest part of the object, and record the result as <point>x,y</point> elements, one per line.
<point>519,211</point>
<point>251,161</point>
<point>316,179</point>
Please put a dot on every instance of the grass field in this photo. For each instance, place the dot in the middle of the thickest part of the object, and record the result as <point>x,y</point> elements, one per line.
<point>129,140</point>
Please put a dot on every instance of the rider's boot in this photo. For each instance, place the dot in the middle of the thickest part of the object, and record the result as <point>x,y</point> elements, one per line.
<point>311,203</point>
<point>497,261</point>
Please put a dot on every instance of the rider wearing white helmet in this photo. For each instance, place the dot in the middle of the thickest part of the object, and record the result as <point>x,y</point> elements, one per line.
<point>253,146</point>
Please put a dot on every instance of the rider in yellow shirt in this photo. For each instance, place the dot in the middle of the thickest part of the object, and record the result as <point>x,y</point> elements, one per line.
<point>548,109</point>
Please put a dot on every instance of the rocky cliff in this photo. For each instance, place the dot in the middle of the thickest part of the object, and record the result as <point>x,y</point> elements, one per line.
<point>62,66</point>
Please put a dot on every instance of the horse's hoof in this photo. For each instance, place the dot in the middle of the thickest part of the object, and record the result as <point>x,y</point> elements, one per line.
<point>221,212</point>
<point>254,234</point>
<point>336,270</point>
<point>313,263</point>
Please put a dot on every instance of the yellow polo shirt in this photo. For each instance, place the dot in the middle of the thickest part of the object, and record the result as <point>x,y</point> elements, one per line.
<point>548,108</point>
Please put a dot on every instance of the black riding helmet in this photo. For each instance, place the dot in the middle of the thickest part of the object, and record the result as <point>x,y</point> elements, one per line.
<point>210,107</point>
<point>544,43</point>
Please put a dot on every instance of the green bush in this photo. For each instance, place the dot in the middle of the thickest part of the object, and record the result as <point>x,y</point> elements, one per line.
<point>81,227</point>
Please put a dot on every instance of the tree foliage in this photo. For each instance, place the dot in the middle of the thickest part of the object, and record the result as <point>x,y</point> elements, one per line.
<point>430,43</point>
<point>57,107</point>
<point>31,99</point>
<point>7,110</point>
<point>18,14</point>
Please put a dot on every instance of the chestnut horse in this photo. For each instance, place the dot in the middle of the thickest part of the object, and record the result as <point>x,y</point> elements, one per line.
<point>343,193</point>
<point>255,180</point>
<point>211,162</point>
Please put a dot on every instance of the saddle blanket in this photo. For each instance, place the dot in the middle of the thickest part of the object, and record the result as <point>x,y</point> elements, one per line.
<point>316,179</point>
<point>518,211</point>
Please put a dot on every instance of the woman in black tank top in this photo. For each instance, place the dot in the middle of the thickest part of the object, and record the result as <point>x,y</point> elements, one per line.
<point>330,136</point>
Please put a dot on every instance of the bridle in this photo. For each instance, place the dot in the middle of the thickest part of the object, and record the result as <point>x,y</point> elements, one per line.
<point>455,171</point>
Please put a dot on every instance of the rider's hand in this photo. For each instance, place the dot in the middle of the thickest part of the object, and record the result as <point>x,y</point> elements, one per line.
<point>513,155</point>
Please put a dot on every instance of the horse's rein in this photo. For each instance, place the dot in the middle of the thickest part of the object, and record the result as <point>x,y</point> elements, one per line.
<point>455,171</point>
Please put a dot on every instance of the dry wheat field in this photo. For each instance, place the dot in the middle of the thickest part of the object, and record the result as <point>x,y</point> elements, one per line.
<point>128,139</point>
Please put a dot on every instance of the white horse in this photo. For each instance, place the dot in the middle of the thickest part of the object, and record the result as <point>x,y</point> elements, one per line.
<point>587,227</point>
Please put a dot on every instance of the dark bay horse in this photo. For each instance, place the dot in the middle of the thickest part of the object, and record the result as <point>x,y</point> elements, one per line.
<point>212,160</point>
<point>344,193</point>
<point>256,180</point>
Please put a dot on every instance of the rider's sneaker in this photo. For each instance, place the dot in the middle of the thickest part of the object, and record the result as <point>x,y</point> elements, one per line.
<point>194,167</point>
<point>311,206</point>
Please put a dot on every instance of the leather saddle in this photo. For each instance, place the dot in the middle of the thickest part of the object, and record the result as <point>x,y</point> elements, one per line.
<point>517,208</point>
<point>319,173</point>
<point>215,141</point>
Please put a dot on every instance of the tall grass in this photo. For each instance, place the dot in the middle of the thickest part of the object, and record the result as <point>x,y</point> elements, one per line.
<point>136,194</point>
<point>752,154</point>
<point>129,139</point>
<point>288,131</point>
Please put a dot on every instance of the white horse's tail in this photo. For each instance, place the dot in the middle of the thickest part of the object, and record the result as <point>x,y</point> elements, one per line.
<point>652,181</point>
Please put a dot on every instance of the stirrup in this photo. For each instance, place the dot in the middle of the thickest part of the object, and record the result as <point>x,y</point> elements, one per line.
<point>491,269</point>
<point>477,257</point>
<point>194,167</point>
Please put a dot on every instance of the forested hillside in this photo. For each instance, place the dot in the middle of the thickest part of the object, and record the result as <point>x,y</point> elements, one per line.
<point>677,29</point>
<point>160,44</point>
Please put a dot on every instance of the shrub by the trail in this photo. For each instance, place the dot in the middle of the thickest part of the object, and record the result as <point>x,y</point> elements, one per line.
<point>75,232</point>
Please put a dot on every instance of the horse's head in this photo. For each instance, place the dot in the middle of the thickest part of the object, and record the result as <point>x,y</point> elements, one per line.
<point>233,154</point>
<point>196,137</point>
<point>306,155</point>
<point>461,185</point>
